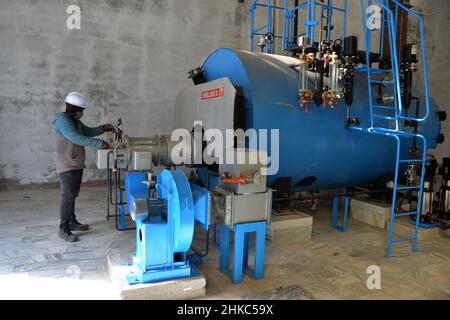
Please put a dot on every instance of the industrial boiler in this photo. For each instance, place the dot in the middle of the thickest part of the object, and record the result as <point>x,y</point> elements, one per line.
<point>337,117</point>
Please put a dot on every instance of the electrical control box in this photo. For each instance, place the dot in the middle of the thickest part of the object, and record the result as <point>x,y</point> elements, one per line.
<point>117,156</point>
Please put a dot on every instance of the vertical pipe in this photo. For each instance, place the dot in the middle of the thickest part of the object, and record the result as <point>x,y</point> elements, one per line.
<point>293,13</point>
<point>313,16</point>
<point>329,13</point>
<point>121,208</point>
<point>291,26</point>
<point>396,19</point>
<point>269,24</point>
<point>419,201</point>
<point>344,31</point>
<point>425,74</point>
<point>116,210</point>
<point>383,12</point>
<point>369,35</point>
<point>395,68</point>
<point>366,31</point>
<point>252,25</point>
<point>296,22</point>
<point>285,21</point>
<point>109,183</point>
<point>394,196</point>
<point>308,19</point>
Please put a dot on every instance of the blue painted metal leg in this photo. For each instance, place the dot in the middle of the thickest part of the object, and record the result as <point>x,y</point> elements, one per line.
<point>241,247</point>
<point>214,237</point>
<point>344,225</point>
<point>246,241</point>
<point>239,238</point>
<point>334,225</point>
<point>335,212</point>
<point>259,250</point>
<point>416,232</point>
<point>224,247</point>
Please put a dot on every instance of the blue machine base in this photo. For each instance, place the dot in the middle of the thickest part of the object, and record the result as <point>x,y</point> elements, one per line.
<point>426,225</point>
<point>135,276</point>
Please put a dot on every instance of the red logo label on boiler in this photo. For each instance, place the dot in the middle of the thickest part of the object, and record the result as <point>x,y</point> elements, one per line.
<point>213,93</point>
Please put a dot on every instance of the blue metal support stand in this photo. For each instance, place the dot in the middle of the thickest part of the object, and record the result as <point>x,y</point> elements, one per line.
<point>241,247</point>
<point>343,226</point>
<point>214,236</point>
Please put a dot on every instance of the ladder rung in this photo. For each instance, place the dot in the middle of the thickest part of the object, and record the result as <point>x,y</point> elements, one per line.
<point>371,70</point>
<point>384,131</point>
<point>384,117</point>
<point>384,107</point>
<point>403,239</point>
<point>403,214</point>
<point>408,188</point>
<point>396,132</point>
<point>410,160</point>
<point>382,81</point>
<point>409,118</point>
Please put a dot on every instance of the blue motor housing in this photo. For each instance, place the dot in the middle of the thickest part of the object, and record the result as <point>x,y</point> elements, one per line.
<point>316,149</point>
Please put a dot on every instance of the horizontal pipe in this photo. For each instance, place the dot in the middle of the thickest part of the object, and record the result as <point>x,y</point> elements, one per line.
<point>332,7</point>
<point>273,7</point>
<point>298,7</point>
<point>262,34</point>
<point>259,28</point>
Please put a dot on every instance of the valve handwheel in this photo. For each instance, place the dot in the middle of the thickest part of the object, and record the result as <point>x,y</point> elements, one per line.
<point>269,37</point>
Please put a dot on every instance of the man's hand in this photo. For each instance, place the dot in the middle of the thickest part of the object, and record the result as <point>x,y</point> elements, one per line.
<point>108,127</point>
<point>106,145</point>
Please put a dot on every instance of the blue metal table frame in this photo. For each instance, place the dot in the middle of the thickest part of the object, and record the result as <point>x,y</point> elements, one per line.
<point>241,243</point>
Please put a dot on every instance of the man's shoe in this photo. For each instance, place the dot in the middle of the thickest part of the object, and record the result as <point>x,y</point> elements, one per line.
<point>77,226</point>
<point>66,235</point>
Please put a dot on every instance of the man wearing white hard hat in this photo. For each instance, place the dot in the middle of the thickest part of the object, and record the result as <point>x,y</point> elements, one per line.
<point>71,136</point>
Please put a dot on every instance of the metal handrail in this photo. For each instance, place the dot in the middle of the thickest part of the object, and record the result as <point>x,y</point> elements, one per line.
<point>395,134</point>
<point>424,61</point>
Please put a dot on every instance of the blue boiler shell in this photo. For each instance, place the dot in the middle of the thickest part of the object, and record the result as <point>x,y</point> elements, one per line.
<point>314,143</point>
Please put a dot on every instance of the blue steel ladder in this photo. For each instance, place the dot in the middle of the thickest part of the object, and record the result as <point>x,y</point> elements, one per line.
<point>379,119</point>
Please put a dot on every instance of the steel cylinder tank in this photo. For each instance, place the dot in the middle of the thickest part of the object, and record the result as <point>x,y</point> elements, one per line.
<point>316,149</point>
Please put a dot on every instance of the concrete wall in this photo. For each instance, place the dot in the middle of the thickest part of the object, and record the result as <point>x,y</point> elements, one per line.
<point>130,59</point>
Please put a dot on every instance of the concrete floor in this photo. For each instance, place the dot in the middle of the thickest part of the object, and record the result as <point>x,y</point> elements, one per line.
<point>35,263</point>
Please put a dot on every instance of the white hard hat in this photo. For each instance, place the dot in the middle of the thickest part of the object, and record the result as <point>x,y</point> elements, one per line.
<point>75,99</point>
